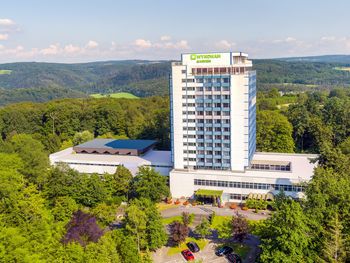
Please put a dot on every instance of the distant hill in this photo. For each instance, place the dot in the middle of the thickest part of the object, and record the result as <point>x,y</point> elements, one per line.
<point>74,76</point>
<point>39,82</point>
<point>44,81</point>
<point>342,59</point>
<point>8,96</point>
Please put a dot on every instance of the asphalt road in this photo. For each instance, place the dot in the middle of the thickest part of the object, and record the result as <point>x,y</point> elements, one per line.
<point>206,210</point>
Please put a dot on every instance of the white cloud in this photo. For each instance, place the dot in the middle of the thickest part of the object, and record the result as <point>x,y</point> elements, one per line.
<point>72,49</point>
<point>92,44</point>
<point>6,22</point>
<point>51,50</point>
<point>328,38</point>
<point>165,38</point>
<point>224,44</point>
<point>142,43</point>
<point>290,39</point>
<point>286,40</point>
<point>182,44</point>
<point>4,36</point>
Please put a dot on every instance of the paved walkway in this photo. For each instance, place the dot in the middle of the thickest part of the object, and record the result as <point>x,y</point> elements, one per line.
<point>206,210</point>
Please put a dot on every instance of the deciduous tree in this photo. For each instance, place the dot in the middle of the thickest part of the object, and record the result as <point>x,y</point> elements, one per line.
<point>149,184</point>
<point>203,229</point>
<point>178,232</point>
<point>240,228</point>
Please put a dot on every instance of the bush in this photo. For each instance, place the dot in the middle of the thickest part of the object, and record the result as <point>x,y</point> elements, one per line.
<point>256,204</point>
<point>244,208</point>
<point>233,206</point>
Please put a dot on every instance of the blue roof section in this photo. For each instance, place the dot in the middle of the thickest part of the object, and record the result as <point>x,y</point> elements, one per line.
<point>117,144</point>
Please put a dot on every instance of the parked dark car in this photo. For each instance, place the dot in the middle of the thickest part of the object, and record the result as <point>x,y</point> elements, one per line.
<point>187,255</point>
<point>234,258</point>
<point>224,251</point>
<point>193,246</point>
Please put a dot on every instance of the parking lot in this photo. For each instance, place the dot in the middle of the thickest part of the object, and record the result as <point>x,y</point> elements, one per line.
<point>206,255</point>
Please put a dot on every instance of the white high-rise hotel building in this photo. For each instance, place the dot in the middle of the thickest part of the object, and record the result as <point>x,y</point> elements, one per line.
<point>213,132</point>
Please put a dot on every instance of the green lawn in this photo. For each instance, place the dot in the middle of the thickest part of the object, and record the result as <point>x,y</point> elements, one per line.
<point>169,220</point>
<point>164,206</point>
<point>117,95</point>
<point>219,220</point>
<point>5,72</point>
<point>200,242</point>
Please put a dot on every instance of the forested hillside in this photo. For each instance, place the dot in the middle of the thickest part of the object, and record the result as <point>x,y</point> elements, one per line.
<point>54,214</point>
<point>44,81</point>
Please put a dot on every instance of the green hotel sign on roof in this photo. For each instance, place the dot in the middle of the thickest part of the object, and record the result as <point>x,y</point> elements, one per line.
<point>205,58</point>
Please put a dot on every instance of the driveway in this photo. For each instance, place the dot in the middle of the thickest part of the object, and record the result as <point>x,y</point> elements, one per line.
<point>206,210</point>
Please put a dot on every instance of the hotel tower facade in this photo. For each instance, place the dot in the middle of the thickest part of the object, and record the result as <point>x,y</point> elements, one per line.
<point>213,132</point>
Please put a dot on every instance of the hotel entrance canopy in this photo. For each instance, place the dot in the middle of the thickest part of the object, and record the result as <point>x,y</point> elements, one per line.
<point>208,193</point>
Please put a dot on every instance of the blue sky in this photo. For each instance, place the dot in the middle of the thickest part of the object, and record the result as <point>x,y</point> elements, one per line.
<point>79,31</point>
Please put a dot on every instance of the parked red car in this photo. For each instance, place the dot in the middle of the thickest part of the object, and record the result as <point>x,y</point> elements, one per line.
<point>187,254</point>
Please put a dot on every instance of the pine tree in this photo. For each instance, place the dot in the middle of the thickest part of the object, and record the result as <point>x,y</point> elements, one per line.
<point>334,249</point>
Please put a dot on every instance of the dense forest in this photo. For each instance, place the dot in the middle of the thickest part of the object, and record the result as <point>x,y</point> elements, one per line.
<point>40,82</point>
<point>57,215</point>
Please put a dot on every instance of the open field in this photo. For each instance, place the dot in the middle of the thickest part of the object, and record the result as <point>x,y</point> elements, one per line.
<point>343,68</point>
<point>118,95</point>
<point>5,72</point>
